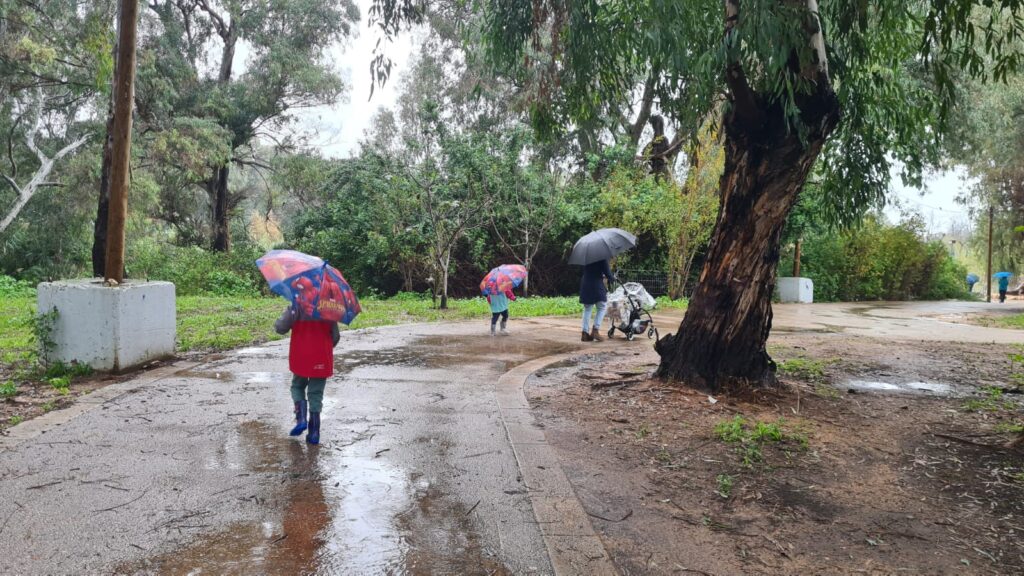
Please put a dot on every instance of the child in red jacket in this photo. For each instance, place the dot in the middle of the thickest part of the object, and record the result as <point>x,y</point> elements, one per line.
<point>311,361</point>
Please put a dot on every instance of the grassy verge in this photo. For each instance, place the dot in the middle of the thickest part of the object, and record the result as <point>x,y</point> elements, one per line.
<point>1013,321</point>
<point>207,323</point>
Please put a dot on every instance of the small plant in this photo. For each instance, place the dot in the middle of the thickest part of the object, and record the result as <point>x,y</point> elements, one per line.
<point>992,401</point>
<point>751,438</point>
<point>8,390</point>
<point>725,482</point>
<point>804,368</point>
<point>663,456</point>
<point>48,406</point>
<point>15,420</point>
<point>42,326</point>
<point>60,383</point>
<point>72,370</point>
<point>643,432</point>
<point>766,432</point>
<point>731,430</point>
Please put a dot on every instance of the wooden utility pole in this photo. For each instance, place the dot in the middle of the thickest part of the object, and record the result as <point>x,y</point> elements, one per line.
<point>124,96</point>
<point>988,282</point>
<point>796,259</point>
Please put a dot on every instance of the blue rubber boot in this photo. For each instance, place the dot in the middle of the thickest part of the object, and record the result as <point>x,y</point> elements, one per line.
<point>313,435</point>
<point>300,418</point>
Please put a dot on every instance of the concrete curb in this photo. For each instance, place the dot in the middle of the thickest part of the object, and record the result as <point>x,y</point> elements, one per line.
<point>573,546</point>
<point>30,429</point>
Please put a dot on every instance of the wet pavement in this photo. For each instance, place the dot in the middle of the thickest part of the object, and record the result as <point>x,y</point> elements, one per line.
<point>193,473</point>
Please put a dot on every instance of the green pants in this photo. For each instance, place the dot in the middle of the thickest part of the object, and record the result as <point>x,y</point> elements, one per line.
<point>315,387</point>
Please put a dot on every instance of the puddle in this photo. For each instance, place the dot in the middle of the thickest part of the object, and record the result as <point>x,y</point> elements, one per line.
<point>334,513</point>
<point>932,388</point>
<point>265,377</point>
<point>206,375</point>
<point>289,543</point>
<point>253,351</point>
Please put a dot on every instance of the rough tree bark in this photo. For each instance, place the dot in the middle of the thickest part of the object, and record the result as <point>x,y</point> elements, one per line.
<point>721,341</point>
<point>99,230</point>
<point>218,185</point>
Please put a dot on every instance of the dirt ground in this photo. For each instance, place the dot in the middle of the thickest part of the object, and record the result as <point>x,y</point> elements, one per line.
<point>891,461</point>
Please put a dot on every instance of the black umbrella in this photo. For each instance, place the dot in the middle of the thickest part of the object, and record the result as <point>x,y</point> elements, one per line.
<point>601,244</point>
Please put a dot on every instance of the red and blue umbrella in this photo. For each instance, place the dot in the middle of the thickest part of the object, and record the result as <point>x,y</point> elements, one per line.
<point>503,278</point>
<point>317,289</point>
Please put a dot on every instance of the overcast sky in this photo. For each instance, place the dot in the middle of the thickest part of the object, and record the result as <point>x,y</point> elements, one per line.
<point>336,130</point>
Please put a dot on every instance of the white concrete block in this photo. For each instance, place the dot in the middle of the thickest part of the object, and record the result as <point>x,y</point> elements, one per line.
<point>110,328</point>
<point>800,290</point>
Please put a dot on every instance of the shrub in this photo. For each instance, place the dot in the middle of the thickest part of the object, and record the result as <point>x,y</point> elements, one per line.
<point>12,288</point>
<point>199,272</point>
<point>877,261</point>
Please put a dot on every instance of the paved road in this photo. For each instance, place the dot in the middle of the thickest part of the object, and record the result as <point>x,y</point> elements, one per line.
<point>195,473</point>
<point>189,469</point>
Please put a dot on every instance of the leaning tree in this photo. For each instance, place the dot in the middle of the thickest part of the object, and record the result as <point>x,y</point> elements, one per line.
<point>845,90</point>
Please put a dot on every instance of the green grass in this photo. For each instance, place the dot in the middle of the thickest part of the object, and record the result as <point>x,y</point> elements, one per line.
<point>1012,321</point>
<point>804,368</point>
<point>751,437</point>
<point>16,344</point>
<point>211,323</point>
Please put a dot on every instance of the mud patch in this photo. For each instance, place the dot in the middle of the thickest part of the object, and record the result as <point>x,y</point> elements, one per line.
<point>904,480</point>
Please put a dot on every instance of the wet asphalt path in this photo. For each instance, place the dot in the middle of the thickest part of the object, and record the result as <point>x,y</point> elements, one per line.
<point>189,470</point>
<point>194,473</point>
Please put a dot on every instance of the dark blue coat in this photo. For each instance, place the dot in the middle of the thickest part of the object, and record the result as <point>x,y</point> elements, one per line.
<point>592,288</point>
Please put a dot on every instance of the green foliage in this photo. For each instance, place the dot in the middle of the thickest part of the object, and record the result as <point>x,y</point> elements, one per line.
<point>15,420</point>
<point>13,288</point>
<point>195,271</point>
<point>875,261</point>
<point>752,437</point>
<point>42,325</point>
<point>725,483</point>
<point>8,389</point>
<point>992,401</point>
<point>809,369</point>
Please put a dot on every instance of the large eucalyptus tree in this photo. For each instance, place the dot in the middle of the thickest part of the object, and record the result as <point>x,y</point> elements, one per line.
<point>845,89</point>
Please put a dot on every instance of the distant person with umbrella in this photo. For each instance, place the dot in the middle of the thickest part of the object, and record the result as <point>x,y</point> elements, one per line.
<point>1004,284</point>
<point>972,279</point>
<point>593,252</point>
<point>497,288</point>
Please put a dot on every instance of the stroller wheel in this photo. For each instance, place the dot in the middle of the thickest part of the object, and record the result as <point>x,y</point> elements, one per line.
<point>630,335</point>
<point>611,331</point>
<point>652,332</point>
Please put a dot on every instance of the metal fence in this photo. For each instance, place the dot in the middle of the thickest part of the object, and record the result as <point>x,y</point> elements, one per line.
<point>654,281</point>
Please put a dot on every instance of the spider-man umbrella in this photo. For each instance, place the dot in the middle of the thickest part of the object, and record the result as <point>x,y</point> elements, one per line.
<point>502,278</point>
<point>317,289</point>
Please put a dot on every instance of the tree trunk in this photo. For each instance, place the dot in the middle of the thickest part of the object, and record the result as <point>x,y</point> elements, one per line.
<point>99,230</point>
<point>444,286</point>
<point>221,224</point>
<point>721,341</point>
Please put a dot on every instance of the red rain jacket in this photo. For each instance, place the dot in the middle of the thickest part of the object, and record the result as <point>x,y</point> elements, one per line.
<point>311,350</point>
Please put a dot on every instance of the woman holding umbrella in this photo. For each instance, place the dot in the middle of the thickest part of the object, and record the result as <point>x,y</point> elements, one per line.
<point>593,252</point>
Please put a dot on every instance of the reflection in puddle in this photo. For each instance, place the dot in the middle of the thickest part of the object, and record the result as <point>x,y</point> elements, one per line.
<point>338,513</point>
<point>908,387</point>
<point>253,351</point>
<point>290,543</point>
<point>264,377</point>
<point>206,375</point>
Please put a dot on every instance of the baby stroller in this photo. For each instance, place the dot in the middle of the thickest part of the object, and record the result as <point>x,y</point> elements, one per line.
<point>628,310</point>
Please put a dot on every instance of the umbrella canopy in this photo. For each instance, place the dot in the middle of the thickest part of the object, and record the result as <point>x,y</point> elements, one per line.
<point>1002,275</point>
<point>601,244</point>
<point>502,278</point>
<point>317,289</point>
<point>972,277</point>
